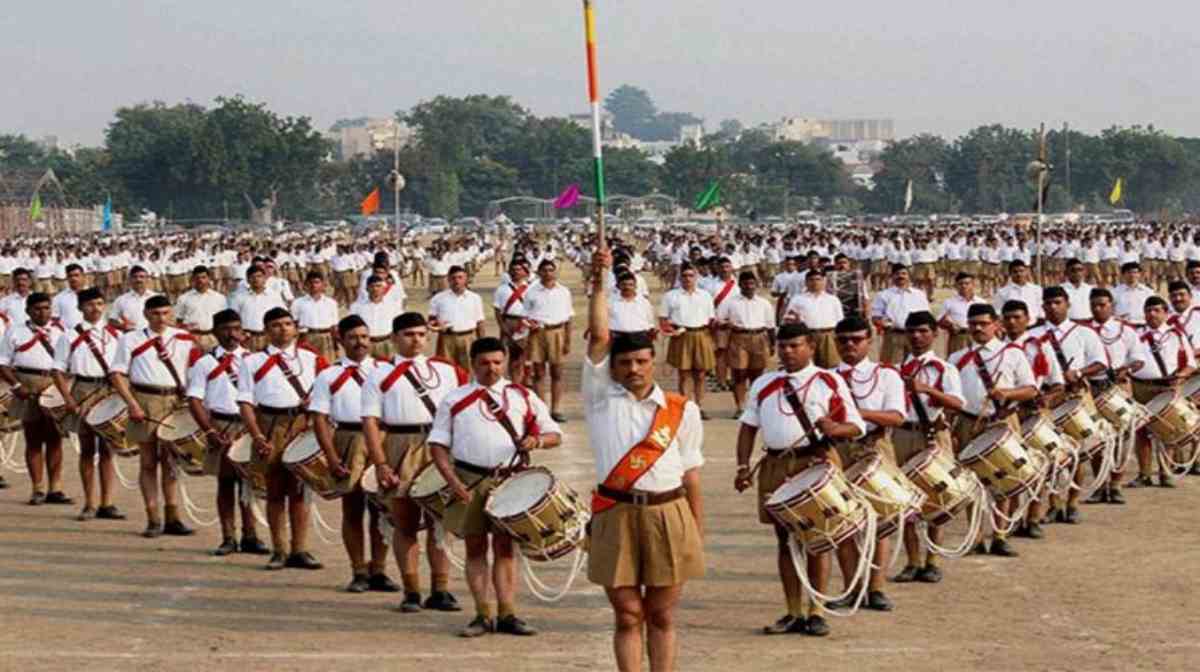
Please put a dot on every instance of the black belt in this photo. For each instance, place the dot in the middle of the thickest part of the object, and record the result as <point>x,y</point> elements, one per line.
<point>638,498</point>
<point>32,372</point>
<point>349,426</point>
<point>631,333</point>
<point>749,331</point>
<point>806,451</point>
<point>156,391</point>
<point>224,417</point>
<point>458,333</point>
<point>94,381</point>
<point>319,331</point>
<point>677,327</point>
<point>271,410</point>
<point>407,429</point>
<point>474,468</point>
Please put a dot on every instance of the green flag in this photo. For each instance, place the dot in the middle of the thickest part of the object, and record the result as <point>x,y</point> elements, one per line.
<point>710,197</point>
<point>35,208</point>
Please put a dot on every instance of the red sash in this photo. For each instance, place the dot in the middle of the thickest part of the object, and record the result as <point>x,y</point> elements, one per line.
<point>729,285</point>
<point>224,365</point>
<point>346,374</point>
<point>645,453</point>
<point>517,294</point>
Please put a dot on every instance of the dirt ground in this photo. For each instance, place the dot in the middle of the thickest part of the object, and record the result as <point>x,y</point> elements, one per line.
<point>1114,593</point>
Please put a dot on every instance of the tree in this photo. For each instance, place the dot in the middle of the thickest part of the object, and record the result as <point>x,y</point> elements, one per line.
<point>17,151</point>
<point>922,159</point>
<point>632,109</point>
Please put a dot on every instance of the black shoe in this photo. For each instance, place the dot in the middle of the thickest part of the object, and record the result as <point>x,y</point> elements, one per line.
<point>1001,548</point>
<point>1115,497</point>
<point>228,547</point>
<point>441,600</point>
<point>411,603</point>
<point>358,584</point>
<point>86,514</point>
<point>558,417</point>
<point>1098,497</point>
<point>816,626</point>
<point>153,530</point>
<point>479,627</point>
<point>3,483</point>
<point>878,601</point>
<point>1194,471</point>
<point>380,583</point>
<point>58,497</point>
<point>37,499</point>
<point>253,546</point>
<point>1071,516</point>
<point>906,575</point>
<point>1030,531</point>
<point>980,549</point>
<point>930,574</point>
<point>303,560</point>
<point>704,415</point>
<point>176,528</point>
<point>513,625</point>
<point>278,561</point>
<point>784,625</point>
<point>844,603</point>
<point>1140,482</point>
<point>1164,481</point>
<point>109,512</point>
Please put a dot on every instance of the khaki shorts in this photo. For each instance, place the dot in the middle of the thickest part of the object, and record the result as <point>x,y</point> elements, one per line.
<point>907,444</point>
<point>775,471</point>
<point>748,352</point>
<point>645,546</point>
<point>851,452</point>
<point>323,343</point>
<point>213,459</point>
<point>825,352</point>
<point>692,351</point>
<point>407,455</point>
<point>546,345</point>
<point>156,407</point>
<point>470,520</point>
<point>957,341</point>
<point>721,336</point>
<point>28,410</point>
<point>85,394</point>
<point>895,347</point>
<point>456,348</point>
<point>967,428</point>
<point>382,349</point>
<point>923,271</point>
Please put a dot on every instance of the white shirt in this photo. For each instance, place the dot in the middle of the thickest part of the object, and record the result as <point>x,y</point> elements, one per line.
<point>313,313</point>
<point>1118,340</point>
<point>894,304</point>
<point>262,382</point>
<point>502,300</point>
<point>1043,363</point>
<point>196,309</point>
<point>687,309</point>
<point>72,355</point>
<point>22,346</point>
<point>1080,345</point>
<point>1173,350</point>
<point>816,311</point>
<point>717,286</point>
<point>744,312</point>
<point>874,387</point>
<point>337,391</point>
<point>1129,303</point>
<point>956,308</point>
<point>138,359</point>
<point>1080,297</point>
<point>628,315</point>
<point>549,305</point>
<point>821,393</point>
<point>130,310</point>
<point>217,390</point>
<point>474,436</point>
<point>378,316</point>
<point>66,308</point>
<point>395,291</point>
<point>457,312</point>
<point>938,374</point>
<point>394,400</point>
<point>1030,294</point>
<point>252,307</point>
<point>13,305</point>
<point>617,421</point>
<point>1006,363</point>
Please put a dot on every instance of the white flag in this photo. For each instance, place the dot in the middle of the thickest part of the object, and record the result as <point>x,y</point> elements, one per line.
<point>908,197</point>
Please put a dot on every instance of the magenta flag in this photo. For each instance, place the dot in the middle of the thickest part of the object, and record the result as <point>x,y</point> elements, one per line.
<point>568,198</point>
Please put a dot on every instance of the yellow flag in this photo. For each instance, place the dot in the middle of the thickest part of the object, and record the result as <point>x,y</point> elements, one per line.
<point>1115,196</point>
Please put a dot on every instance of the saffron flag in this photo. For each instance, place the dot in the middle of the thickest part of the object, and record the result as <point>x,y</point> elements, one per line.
<point>35,208</point>
<point>908,197</point>
<point>1118,188</point>
<point>370,204</point>
<point>106,224</point>
<point>568,198</point>
<point>710,197</point>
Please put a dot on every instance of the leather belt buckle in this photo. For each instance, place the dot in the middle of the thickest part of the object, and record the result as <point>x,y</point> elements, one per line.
<point>639,498</point>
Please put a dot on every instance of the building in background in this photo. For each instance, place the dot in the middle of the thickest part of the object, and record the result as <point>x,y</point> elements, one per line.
<point>363,137</point>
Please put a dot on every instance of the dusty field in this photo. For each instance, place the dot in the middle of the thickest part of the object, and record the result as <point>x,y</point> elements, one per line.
<point>1115,593</point>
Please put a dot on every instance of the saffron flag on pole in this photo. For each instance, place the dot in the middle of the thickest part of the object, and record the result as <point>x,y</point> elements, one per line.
<point>35,208</point>
<point>1117,191</point>
<point>569,198</point>
<point>106,223</point>
<point>370,204</point>
<point>710,197</point>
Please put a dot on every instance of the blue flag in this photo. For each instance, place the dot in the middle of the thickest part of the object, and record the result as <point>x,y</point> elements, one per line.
<point>106,225</point>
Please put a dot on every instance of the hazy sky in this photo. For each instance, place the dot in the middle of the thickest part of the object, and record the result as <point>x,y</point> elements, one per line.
<point>932,66</point>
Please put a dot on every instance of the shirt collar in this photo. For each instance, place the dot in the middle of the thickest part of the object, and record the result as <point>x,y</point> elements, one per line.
<point>499,387</point>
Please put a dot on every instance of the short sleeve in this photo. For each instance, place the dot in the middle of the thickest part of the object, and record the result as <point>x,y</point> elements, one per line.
<point>372,397</point>
<point>245,392</point>
<point>442,431</point>
<point>749,416</point>
<point>691,438</point>
<point>120,363</point>
<point>321,398</point>
<point>62,353</point>
<point>197,378</point>
<point>541,412</point>
<point>596,379</point>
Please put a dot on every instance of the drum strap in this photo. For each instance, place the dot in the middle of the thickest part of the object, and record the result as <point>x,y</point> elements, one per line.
<point>292,379</point>
<point>87,340</point>
<point>645,453</point>
<point>516,295</point>
<point>422,392</point>
<point>1156,351</point>
<point>166,360</point>
<point>793,400</point>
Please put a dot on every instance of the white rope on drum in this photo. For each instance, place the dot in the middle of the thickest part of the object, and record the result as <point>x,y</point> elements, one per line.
<point>127,483</point>
<point>979,508</point>
<point>899,533</point>
<point>1168,464</point>
<point>194,510</point>
<point>858,580</point>
<point>439,540</point>
<point>8,456</point>
<point>319,523</point>
<point>1108,457</point>
<point>545,592</point>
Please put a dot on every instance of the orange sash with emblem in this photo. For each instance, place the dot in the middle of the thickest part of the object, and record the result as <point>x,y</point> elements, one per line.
<point>645,453</point>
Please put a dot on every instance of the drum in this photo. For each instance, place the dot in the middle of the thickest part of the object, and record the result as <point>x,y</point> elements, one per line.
<point>254,472</point>
<point>819,507</point>
<point>947,485</point>
<point>303,457</point>
<point>1116,406</point>
<point>544,515</point>
<point>431,492</point>
<point>1039,433</point>
<point>1191,389</point>
<point>1073,419</point>
<point>1173,419</point>
<point>182,435</point>
<point>7,423</point>
<point>892,495</point>
<point>108,418</point>
<point>55,407</point>
<point>1002,464</point>
<point>370,485</point>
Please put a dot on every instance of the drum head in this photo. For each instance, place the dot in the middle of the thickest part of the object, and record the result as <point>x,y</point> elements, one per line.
<point>1030,424</point>
<point>1066,408</point>
<point>863,468</point>
<point>812,478</point>
<point>520,493</point>
<point>177,426</point>
<point>427,482</point>
<point>301,448</point>
<point>1190,386</point>
<point>240,451</point>
<point>370,482</point>
<point>1158,403</point>
<point>106,409</point>
<point>51,398</point>
<point>981,443</point>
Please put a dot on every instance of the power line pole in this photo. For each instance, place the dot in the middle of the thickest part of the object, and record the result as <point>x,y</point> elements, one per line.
<point>1067,138</point>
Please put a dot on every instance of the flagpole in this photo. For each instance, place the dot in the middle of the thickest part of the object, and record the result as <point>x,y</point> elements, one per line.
<point>589,23</point>
<point>1041,206</point>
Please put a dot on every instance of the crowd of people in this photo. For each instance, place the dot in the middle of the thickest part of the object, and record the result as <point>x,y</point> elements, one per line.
<point>836,345</point>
